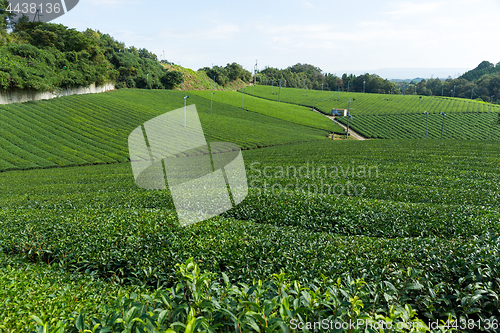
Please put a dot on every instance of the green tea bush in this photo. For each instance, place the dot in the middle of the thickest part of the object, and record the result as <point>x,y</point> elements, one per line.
<point>94,129</point>
<point>207,302</point>
<point>458,126</point>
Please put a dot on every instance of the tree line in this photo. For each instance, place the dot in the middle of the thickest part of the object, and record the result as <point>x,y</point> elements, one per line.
<point>306,76</point>
<point>481,83</point>
<point>229,73</point>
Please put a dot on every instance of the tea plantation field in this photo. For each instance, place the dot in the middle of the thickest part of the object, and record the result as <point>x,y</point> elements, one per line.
<point>289,112</point>
<point>381,116</point>
<point>460,126</point>
<point>400,232</point>
<point>371,104</point>
<point>93,129</point>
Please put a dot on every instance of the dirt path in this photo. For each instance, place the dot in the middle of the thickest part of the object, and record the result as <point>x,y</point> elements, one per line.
<point>351,132</point>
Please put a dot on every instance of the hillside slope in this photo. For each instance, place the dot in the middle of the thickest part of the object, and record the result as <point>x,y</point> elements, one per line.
<point>94,129</point>
<point>371,104</point>
<point>198,80</point>
<point>293,113</point>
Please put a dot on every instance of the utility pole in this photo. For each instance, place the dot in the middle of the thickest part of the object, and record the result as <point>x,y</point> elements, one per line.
<point>419,103</point>
<point>185,109</point>
<point>211,94</point>
<point>348,115</point>
<point>472,94</point>
<point>254,79</point>
<point>279,94</point>
<point>426,123</point>
<point>364,86</point>
<point>442,127</point>
<point>333,129</point>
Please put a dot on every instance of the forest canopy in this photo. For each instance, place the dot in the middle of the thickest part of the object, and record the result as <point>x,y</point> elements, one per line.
<point>44,57</point>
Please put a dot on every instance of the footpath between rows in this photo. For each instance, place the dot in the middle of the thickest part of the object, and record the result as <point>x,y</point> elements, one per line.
<point>351,132</point>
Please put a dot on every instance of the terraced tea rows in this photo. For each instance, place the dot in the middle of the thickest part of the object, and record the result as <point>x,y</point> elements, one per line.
<point>371,104</point>
<point>428,205</point>
<point>400,222</point>
<point>463,126</point>
<point>289,112</point>
<point>93,129</point>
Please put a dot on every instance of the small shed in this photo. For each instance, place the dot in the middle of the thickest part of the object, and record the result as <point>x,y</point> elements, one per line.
<point>339,112</point>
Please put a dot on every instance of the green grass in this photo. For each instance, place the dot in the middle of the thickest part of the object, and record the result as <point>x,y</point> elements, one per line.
<point>459,126</point>
<point>370,104</point>
<point>94,129</point>
<point>293,113</point>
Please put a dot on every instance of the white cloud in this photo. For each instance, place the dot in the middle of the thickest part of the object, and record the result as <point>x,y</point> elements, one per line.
<point>375,24</point>
<point>407,8</point>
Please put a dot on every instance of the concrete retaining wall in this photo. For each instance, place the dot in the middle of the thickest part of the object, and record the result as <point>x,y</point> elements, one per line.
<point>20,96</point>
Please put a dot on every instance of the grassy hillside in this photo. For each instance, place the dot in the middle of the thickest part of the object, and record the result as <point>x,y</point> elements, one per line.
<point>293,113</point>
<point>198,80</point>
<point>371,104</point>
<point>91,129</point>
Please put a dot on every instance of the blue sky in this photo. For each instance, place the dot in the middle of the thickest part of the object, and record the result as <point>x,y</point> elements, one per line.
<point>333,35</point>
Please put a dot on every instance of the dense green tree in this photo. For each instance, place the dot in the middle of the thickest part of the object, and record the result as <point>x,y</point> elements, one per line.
<point>482,82</point>
<point>45,56</point>
<point>171,79</point>
<point>5,16</point>
<point>311,77</point>
<point>484,68</point>
<point>224,75</point>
